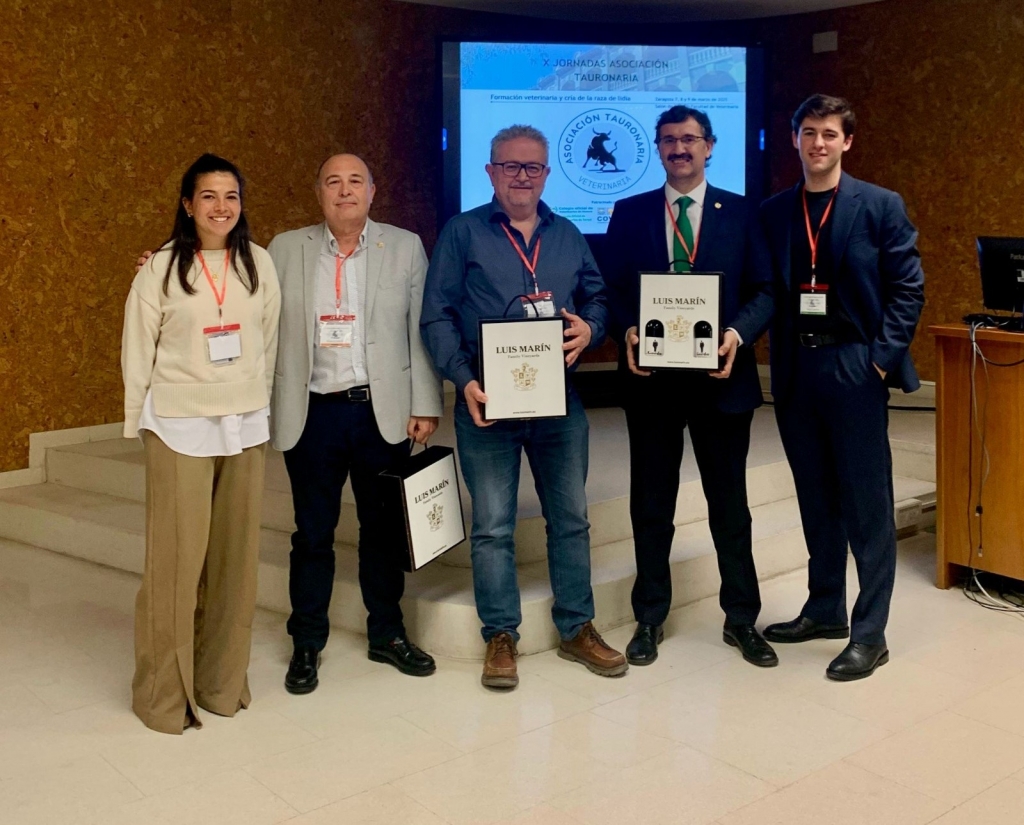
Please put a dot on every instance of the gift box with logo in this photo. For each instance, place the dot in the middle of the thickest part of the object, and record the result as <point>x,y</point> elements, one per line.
<point>423,506</point>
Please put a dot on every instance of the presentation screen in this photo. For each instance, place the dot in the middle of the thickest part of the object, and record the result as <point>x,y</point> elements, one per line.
<point>597,105</point>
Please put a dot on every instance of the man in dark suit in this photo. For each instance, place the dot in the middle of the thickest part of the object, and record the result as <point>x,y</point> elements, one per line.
<point>848,293</point>
<point>689,225</point>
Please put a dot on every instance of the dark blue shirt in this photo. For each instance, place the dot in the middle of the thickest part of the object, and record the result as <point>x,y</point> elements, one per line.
<point>476,273</point>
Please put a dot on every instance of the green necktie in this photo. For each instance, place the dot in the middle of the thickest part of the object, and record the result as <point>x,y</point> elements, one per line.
<point>679,255</point>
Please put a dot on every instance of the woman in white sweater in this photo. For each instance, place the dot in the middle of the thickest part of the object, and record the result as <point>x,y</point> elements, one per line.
<point>197,355</point>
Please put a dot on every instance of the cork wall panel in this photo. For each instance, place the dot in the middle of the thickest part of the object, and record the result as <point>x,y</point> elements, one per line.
<point>104,106</point>
<point>936,88</point>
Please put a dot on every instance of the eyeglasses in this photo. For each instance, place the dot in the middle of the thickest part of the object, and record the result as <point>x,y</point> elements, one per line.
<point>511,168</point>
<point>685,140</point>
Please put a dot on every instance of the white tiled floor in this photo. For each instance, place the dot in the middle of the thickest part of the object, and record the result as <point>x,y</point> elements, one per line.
<point>700,737</point>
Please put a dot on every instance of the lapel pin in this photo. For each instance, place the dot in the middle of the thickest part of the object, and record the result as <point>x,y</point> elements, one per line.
<point>380,244</point>
<point>718,206</point>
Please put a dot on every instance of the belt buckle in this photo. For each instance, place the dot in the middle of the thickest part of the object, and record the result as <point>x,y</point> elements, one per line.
<point>809,340</point>
<point>359,394</point>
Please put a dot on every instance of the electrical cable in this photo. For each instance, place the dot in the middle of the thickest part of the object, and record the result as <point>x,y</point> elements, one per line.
<point>977,424</point>
<point>999,604</point>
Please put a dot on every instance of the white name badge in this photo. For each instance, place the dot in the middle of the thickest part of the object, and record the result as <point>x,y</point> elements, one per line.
<point>814,303</point>
<point>539,305</point>
<point>223,344</point>
<point>336,330</point>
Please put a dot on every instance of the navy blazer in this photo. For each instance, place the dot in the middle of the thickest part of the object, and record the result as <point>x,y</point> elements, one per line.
<point>730,241</point>
<point>878,277</point>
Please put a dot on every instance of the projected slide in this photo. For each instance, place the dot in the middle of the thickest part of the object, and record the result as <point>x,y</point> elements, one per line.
<point>597,105</point>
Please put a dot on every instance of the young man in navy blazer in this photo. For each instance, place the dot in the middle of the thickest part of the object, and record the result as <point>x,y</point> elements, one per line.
<point>689,225</point>
<point>848,293</point>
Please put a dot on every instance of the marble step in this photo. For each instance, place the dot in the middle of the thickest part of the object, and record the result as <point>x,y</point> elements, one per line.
<point>438,604</point>
<point>116,467</point>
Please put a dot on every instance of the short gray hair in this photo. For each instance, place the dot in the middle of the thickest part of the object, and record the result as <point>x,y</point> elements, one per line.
<point>518,131</point>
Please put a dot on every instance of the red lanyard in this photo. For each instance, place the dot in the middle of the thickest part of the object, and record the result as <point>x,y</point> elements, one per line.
<point>812,236</point>
<point>691,256</point>
<point>530,265</point>
<point>219,296</point>
<point>339,262</point>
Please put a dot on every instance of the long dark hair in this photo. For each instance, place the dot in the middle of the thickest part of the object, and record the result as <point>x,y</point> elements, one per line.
<point>184,238</point>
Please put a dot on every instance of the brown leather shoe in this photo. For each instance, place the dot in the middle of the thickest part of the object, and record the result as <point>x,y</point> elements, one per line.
<point>500,663</point>
<point>590,650</point>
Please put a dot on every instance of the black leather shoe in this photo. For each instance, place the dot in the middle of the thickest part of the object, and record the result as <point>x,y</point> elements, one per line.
<point>404,655</point>
<point>643,647</point>
<point>301,677</point>
<point>751,644</point>
<point>802,629</point>
<point>857,661</point>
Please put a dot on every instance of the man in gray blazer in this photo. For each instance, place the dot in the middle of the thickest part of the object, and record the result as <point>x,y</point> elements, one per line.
<point>352,385</point>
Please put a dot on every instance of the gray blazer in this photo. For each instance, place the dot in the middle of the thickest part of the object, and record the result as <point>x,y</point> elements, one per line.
<point>402,380</point>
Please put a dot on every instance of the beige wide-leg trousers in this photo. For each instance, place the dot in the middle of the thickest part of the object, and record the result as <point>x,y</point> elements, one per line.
<point>194,611</point>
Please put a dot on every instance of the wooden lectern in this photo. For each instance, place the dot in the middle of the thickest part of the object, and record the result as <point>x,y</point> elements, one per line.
<point>960,464</point>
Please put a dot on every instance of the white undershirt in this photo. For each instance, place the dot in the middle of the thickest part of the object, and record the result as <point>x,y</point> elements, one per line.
<point>341,368</point>
<point>217,435</point>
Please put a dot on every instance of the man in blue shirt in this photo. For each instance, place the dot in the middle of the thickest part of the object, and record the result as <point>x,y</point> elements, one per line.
<point>485,260</point>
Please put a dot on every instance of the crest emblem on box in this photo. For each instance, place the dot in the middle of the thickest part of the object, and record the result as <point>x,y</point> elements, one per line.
<point>435,517</point>
<point>525,377</point>
<point>678,329</point>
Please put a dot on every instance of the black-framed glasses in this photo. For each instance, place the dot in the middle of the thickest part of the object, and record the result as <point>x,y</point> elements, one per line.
<point>685,140</point>
<point>511,168</point>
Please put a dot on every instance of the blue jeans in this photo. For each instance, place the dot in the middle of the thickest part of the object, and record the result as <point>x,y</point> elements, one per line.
<point>490,457</point>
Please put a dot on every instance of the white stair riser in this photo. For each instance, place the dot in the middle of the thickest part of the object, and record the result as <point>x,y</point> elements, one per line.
<point>444,627</point>
<point>609,519</point>
<point>119,548</point>
<point>96,474</point>
<point>913,463</point>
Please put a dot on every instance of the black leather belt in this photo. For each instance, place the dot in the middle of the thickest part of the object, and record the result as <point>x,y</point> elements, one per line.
<point>351,394</point>
<point>812,341</point>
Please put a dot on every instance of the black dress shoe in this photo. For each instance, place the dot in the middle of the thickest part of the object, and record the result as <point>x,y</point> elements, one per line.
<point>643,647</point>
<point>301,677</point>
<point>751,644</point>
<point>857,661</point>
<point>404,655</point>
<point>802,629</point>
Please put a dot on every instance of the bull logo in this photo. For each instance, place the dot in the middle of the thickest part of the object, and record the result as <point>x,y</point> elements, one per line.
<point>598,151</point>
<point>604,152</point>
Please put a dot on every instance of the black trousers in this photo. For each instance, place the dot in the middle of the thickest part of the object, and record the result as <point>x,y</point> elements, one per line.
<point>658,409</point>
<point>341,438</point>
<point>835,430</point>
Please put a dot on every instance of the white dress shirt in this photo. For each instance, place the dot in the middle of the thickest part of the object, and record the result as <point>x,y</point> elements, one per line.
<point>206,437</point>
<point>694,212</point>
<point>340,368</point>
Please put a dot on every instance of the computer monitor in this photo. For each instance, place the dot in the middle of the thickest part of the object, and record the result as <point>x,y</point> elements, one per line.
<point>1002,273</point>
